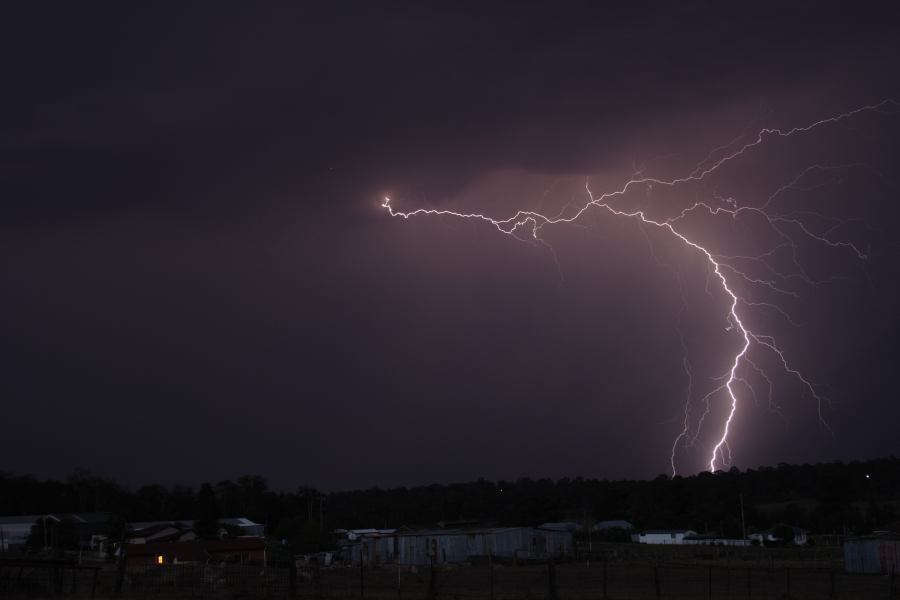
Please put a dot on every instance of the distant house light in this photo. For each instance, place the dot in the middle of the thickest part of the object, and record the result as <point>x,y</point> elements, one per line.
<point>160,559</point>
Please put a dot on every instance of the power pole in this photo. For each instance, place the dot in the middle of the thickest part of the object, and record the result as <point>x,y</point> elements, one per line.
<point>743,524</point>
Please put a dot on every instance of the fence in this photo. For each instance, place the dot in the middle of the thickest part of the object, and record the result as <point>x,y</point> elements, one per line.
<point>55,578</point>
<point>604,580</point>
<point>570,581</point>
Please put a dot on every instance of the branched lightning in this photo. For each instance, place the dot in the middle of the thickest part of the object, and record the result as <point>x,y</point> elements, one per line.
<point>527,225</point>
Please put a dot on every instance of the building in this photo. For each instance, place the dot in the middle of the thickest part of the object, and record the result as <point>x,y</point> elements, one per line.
<point>567,526</point>
<point>616,524</point>
<point>161,532</point>
<point>172,531</point>
<point>665,536</point>
<point>14,530</point>
<point>872,554</point>
<point>165,553</point>
<point>442,546</point>
<point>714,540</point>
<point>246,526</point>
<point>800,537</point>
<point>551,543</point>
<point>244,550</point>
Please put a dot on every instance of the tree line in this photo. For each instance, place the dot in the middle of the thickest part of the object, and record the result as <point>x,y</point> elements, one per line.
<point>830,498</point>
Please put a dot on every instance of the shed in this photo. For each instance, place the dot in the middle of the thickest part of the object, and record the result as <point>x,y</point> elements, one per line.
<point>458,545</point>
<point>872,555</point>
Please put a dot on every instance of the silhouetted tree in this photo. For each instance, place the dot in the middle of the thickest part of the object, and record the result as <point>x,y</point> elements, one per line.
<point>207,523</point>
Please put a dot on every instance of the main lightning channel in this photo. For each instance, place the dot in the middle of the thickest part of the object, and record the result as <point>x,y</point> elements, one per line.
<point>533,222</point>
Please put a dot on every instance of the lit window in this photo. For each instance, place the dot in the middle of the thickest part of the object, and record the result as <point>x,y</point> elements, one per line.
<point>159,559</point>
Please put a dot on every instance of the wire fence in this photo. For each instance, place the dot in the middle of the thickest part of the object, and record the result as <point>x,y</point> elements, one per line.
<point>567,581</point>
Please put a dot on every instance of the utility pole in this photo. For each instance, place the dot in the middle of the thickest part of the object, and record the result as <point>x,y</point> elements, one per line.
<point>743,524</point>
<point>590,542</point>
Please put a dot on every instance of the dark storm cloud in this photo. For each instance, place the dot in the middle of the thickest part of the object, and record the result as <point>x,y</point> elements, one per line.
<point>191,250</point>
<point>195,104</point>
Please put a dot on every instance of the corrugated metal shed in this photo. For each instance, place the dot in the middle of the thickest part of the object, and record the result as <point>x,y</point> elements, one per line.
<point>553,542</point>
<point>417,548</point>
<point>872,555</point>
<point>459,545</point>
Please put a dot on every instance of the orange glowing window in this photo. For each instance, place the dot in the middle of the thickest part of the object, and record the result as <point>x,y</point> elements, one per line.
<point>159,559</point>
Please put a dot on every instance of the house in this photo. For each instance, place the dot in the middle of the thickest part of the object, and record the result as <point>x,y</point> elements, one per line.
<point>665,536</point>
<point>243,550</point>
<point>166,553</point>
<point>800,537</point>
<point>617,524</point>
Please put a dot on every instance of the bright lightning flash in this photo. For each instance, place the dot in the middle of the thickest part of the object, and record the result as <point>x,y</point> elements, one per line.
<point>724,268</point>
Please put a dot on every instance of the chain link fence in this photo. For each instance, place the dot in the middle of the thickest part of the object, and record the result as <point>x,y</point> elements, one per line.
<point>567,581</point>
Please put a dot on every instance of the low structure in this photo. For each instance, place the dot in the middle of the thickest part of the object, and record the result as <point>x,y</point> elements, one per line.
<point>181,531</point>
<point>244,550</point>
<point>872,554</point>
<point>14,530</point>
<point>161,532</point>
<point>165,553</point>
<point>246,526</point>
<point>443,546</point>
<point>566,526</point>
<point>800,536</point>
<point>665,536</point>
<point>714,540</point>
<point>616,524</point>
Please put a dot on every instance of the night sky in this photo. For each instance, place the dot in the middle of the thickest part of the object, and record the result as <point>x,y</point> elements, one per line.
<point>199,281</point>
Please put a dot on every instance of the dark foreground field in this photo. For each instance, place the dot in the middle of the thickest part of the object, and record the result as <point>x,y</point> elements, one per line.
<point>568,581</point>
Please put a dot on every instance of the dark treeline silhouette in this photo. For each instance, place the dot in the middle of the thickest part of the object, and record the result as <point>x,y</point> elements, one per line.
<point>839,498</point>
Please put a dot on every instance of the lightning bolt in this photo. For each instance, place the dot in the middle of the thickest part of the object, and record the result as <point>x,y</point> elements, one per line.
<point>526,225</point>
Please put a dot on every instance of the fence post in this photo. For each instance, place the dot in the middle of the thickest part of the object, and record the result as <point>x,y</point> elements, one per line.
<point>656,581</point>
<point>432,584</point>
<point>292,577</point>
<point>94,582</point>
<point>709,583</point>
<point>891,588</point>
<point>551,580</point>
<point>749,583</point>
<point>831,582</point>
<point>605,597</point>
<point>787,582</point>
<point>120,567</point>
<point>362,576</point>
<point>491,570</point>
